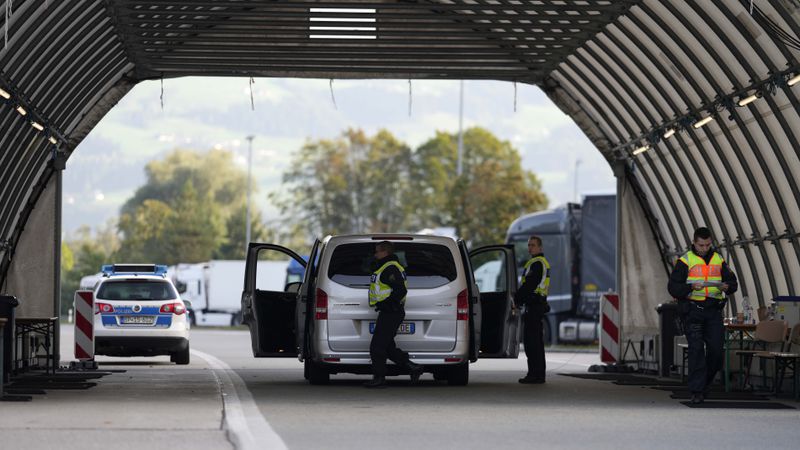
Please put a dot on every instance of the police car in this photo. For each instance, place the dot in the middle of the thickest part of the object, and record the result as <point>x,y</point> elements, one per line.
<point>138,312</point>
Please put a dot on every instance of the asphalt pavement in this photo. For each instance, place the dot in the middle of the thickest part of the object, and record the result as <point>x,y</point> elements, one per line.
<point>227,399</point>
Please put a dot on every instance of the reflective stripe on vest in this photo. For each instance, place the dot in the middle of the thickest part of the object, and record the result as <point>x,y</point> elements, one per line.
<point>380,291</point>
<point>700,271</point>
<point>543,287</point>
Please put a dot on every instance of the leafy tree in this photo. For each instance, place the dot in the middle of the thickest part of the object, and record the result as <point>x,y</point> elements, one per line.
<point>351,184</point>
<point>235,242</point>
<point>143,233</point>
<point>188,210</point>
<point>82,254</point>
<point>492,191</point>
<point>196,231</point>
<point>367,184</point>
<point>213,174</point>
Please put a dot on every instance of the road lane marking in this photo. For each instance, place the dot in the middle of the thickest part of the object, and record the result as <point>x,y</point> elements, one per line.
<point>246,427</point>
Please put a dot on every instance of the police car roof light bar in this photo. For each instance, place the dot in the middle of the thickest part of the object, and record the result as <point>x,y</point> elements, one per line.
<point>134,269</point>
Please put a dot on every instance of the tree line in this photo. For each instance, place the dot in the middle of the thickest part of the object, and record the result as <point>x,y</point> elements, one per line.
<point>192,205</point>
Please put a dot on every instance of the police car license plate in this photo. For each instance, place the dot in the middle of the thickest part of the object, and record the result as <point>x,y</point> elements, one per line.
<point>138,320</point>
<point>404,328</point>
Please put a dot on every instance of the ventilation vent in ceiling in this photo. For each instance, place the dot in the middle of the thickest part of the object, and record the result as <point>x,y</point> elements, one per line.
<point>342,23</point>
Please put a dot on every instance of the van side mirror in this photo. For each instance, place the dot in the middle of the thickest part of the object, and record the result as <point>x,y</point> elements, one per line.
<point>187,303</point>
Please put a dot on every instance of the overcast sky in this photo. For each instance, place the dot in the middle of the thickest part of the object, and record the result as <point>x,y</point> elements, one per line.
<point>205,113</point>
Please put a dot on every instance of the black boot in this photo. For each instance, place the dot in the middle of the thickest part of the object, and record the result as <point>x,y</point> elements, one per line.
<point>416,372</point>
<point>531,380</point>
<point>376,383</point>
<point>697,398</point>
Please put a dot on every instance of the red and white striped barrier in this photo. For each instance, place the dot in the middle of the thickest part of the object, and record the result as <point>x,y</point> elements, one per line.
<point>84,325</point>
<point>609,325</point>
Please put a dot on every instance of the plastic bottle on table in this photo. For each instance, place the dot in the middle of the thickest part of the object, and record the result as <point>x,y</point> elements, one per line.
<point>748,311</point>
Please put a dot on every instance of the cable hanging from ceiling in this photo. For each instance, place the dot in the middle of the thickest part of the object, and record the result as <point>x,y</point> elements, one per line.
<point>774,28</point>
<point>8,19</point>
<point>409,97</point>
<point>333,97</point>
<point>252,102</point>
<point>515,96</point>
<point>162,92</point>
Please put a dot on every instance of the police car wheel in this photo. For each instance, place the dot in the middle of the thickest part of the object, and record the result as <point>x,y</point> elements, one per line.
<point>180,358</point>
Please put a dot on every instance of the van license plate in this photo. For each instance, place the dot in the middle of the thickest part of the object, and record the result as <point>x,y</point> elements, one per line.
<point>404,328</point>
<point>138,320</point>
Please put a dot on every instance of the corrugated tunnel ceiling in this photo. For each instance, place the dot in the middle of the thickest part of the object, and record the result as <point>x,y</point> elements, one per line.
<point>660,87</point>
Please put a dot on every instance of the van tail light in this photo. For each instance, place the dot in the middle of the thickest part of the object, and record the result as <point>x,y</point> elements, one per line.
<point>462,306</point>
<point>172,308</point>
<point>103,308</point>
<point>321,305</point>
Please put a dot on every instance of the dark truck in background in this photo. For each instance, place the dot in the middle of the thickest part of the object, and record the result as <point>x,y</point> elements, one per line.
<point>579,241</point>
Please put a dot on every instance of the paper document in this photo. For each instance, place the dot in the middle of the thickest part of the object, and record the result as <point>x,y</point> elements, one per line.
<point>707,283</point>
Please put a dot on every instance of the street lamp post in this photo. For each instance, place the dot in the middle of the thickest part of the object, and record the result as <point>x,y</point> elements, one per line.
<point>575,180</point>
<point>249,171</point>
<point>460,130</point>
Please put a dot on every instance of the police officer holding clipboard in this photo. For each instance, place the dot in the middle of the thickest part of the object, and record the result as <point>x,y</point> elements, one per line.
<point>701,282</point>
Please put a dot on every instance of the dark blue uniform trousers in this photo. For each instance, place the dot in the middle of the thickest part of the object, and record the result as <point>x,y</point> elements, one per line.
<point>705,336</point>
<point>533,338</point>
<point>382,345</point>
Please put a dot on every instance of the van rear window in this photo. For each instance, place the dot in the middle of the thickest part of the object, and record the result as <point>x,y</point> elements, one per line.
<point>427,265</point>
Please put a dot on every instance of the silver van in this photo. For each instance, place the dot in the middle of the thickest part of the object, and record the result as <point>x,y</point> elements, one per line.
<point>325,319</point>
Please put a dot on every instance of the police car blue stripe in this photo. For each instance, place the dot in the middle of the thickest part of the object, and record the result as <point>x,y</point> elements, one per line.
<point>164,321</point>
<point>109,320</point>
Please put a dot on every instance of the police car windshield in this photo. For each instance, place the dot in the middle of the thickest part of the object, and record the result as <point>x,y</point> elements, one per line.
<point>427,265</point>
<point>140,290</point>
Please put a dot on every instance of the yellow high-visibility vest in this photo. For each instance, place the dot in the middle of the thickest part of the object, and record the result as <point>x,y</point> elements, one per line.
<point>543,287</point>
<point>700,271</point>
<point>380,291</point>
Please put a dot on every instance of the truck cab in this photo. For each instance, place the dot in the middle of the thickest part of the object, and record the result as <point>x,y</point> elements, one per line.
<point>579,241</point>
<point>559,230</point>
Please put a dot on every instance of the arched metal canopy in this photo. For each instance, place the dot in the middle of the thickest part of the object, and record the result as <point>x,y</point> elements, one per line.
<point>639,77</point>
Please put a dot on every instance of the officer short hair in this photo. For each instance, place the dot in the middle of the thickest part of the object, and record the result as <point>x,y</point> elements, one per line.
<point>385,246</point>
<point>702,233</point>
<point>537,239</point>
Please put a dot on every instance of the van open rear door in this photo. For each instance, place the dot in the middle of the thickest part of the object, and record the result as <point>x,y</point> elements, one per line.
<point>474,304</point>
<point>494,268</point>
<point>270,314</point>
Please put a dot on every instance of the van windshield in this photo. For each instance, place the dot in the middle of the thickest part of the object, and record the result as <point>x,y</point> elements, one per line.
<point>142,290</point>
<point>427,265</point>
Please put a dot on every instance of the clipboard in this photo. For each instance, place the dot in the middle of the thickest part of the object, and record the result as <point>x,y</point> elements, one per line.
<point>707,284</point>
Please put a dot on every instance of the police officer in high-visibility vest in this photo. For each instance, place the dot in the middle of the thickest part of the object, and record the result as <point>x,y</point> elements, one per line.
<point>701,282</point>
<point>387,294</point>
<point>532,297</point>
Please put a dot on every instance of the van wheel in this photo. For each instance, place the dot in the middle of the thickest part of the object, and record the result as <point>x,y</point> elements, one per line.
<point>458,375</point>
<point>316,374</point>
<point>180,358</point>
